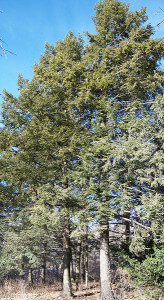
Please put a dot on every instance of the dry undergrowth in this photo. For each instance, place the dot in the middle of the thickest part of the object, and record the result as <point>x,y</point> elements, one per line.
<point>19,290</point>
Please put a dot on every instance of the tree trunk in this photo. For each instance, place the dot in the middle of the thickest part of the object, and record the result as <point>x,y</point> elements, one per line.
<point>43,274</point>
<point>30,278</point>
<point>43,269</point>
<point>82,264</point>
<point>86,268</point>
<point>78,264</point>
<point>127,229</point>
<point>72,272</point>
<point>105,280</point>
<point>67,289</point>
<point>67,286</point>
<point>86,257</point>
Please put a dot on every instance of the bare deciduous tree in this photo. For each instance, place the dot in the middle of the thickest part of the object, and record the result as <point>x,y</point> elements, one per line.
<point>3,45</point>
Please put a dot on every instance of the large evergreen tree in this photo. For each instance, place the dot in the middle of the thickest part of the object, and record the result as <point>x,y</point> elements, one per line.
<point>122,75</point>
<point>44,131</point>
<point>84,137</point>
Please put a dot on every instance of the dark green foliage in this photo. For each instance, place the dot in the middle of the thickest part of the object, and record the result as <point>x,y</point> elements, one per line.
<point>82,145</point>
<point>150,270</point>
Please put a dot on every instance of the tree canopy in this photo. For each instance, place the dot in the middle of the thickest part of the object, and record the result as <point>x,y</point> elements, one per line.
<point>82,148</point>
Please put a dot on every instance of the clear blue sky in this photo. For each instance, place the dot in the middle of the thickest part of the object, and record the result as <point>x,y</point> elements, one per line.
<point>27,25</point>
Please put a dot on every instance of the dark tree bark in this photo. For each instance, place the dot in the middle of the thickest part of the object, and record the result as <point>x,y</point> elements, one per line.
<point>43,274</point>
<point>127,230</point>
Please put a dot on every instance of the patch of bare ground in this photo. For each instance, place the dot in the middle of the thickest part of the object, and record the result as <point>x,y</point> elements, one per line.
<point>21,291</point>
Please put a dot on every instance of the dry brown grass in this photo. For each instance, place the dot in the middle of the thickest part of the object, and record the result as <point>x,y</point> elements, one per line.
<point>20,290</point>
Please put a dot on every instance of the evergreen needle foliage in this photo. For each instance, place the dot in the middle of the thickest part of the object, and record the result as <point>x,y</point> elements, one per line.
<point>82,148</point>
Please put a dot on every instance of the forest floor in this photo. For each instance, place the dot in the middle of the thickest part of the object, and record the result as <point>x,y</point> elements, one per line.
<point>20,291</point>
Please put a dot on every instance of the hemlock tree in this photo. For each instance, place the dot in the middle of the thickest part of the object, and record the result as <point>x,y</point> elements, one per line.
<point>32,238</point>
<point>44,130</point>
<point>71,132</point>
<point>141,154</point>
<point>122,74</point>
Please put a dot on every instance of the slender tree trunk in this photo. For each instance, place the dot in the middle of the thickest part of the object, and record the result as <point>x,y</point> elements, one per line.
<point>67,286</point>
<point>23,272</point>
<point>30,278</point>
<point>43,274</point>
<point>86,268</point>
<point>43,269</point>
<point>105,271</point>
<point>86,257</point>
<point>72,273</point>
<point>82,263</point>
<point>127,230</point>
<point>78,264</point>
<point>105,280</point>
<point>67,289</point>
